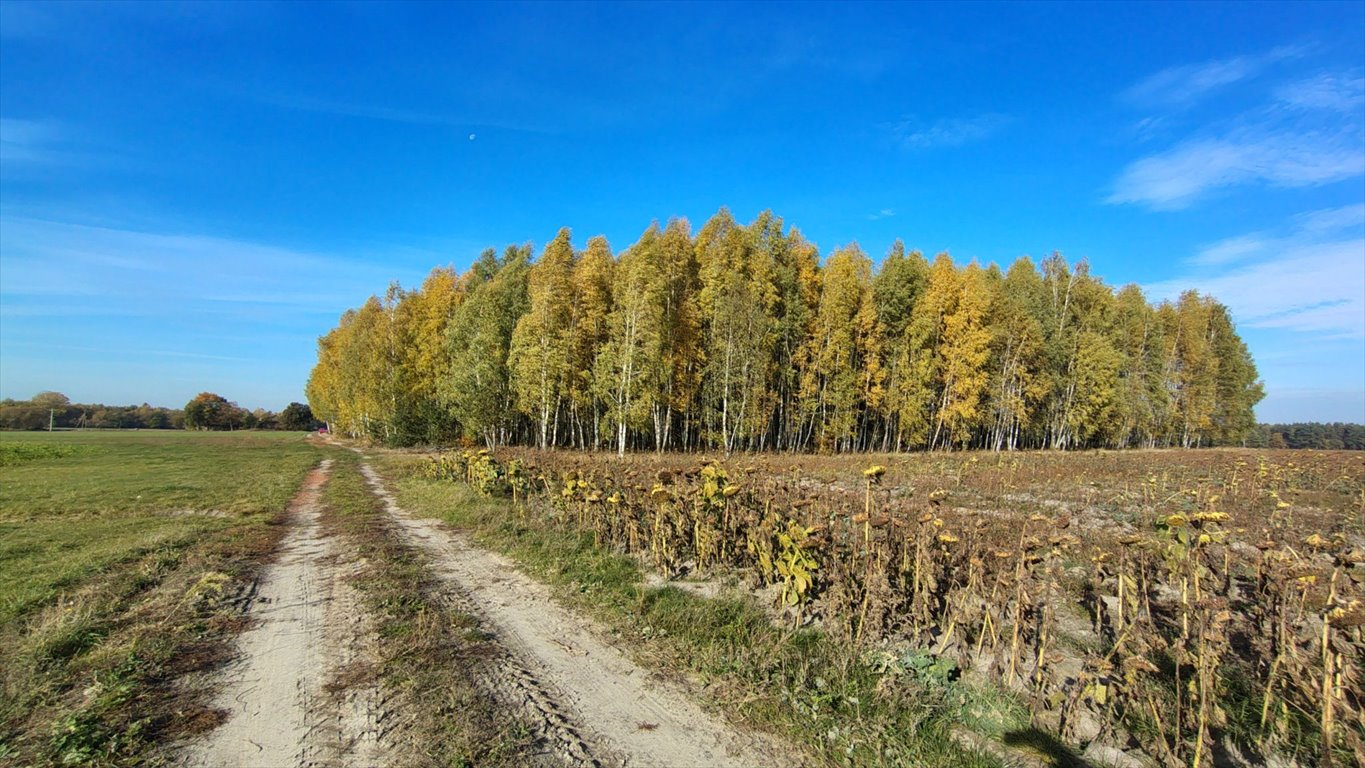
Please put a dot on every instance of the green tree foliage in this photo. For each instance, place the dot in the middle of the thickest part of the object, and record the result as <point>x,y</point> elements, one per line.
<point>1312,435</point>
<point>919,384</point>
<point>896,290</point>
<point>625,371</point>
<point>55,410</point>
<point>796,282</point>
<point>356,384</point>
<point>210,411</point>
<point>740,338</point>
<point>421,320</point>
<point>1019,384</point>
<point>963,351</point>
<point>51,400</point>
<point>296,417</point>
<point>844,375</point>
<point>539,352</point>
<point>677,355</point>
<point>736,301</point>
<point>589,331</point>
<point>478,388</point>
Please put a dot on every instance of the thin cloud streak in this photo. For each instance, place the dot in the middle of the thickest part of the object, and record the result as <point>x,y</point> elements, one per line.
<point>947,132</point>
<point>44,257</point>
<point>35,148</point>
<point>29,142</point>
<point>400,115</point>
<point>1309,281</point>
<point>1175,179</point>
<point>1314,289</point>
<point>117,290</point>
<point>146,307</point>
<point>1334,93</point>
<point>1303,133</point>
<point>1231,250</point>
<point>1184,85</point>
<point>1333,219</point>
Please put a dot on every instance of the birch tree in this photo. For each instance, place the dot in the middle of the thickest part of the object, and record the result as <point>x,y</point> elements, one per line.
<point>539,350</point>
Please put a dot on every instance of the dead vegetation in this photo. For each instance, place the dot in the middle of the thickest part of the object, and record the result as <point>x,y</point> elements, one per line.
<point>1182,607</point>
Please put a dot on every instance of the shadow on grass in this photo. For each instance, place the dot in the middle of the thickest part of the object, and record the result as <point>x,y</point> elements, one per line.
<point>1047,747</point>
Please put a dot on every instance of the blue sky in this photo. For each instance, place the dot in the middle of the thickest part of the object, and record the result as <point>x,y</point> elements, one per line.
<point>190,194</point>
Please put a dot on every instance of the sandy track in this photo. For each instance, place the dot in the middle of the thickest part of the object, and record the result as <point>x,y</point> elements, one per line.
<point>309,629</point>
<point>598,706</point>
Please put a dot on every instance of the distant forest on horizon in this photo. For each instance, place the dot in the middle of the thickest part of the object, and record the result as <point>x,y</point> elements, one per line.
<point>55,410</point>
<point>743,338</point>
<point>32,415</point>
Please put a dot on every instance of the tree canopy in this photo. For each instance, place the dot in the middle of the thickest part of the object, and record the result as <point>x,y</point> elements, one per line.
<point>210,411</point>
<point>54,409</point>
<point>741,338</point>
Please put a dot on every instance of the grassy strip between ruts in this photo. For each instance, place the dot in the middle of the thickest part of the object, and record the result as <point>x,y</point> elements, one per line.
<point>429,651</point>
<point>111,597</point>
<point>799,684</point>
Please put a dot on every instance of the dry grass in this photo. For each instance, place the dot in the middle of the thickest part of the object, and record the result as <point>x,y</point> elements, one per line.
<point>430,651</point>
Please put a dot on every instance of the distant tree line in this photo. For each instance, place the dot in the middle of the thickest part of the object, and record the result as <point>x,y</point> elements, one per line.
<point>745,338</point>
<point>1333,436</point>
<point>56,409</point>
<point>209,411</point>
<point>206,411</point>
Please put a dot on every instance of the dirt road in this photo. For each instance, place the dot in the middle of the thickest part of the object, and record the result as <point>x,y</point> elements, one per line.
<point>309,627</point>
<point>604,709</point>
<point>585,702</point>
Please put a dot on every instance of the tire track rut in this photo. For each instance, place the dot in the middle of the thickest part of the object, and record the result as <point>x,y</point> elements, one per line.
<point>309,626</point>
<point>597,707</point>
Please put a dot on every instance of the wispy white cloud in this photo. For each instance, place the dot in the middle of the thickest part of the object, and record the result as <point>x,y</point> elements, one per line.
<point>912,133</point>
<point>884,213</point>
<point>1232,249</point>
<point>41,147</point>
<point>157,315</point>
<point>1306,133</point>
<point>1347,217</point>
<point>399,115</point>
<point>1184,85</point>
<point>1296,133</point>
<point>1175,178</point>
<point>1331,92</point>
<point>126,272</point>
<point>1310,287</point>
<point>27,141</point>
<point>1310,279</point>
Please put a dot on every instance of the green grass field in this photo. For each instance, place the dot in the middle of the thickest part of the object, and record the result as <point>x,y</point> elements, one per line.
<point>107,540</point>
<point>74,503</point>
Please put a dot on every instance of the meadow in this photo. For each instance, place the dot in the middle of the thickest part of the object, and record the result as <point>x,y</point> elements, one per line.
<point>1181,607</point>
<point>120,552</point>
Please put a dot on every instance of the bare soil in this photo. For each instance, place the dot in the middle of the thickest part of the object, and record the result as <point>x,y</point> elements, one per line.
<point>594,705</point>
<point>301,690</point>
<point>284,699</point>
